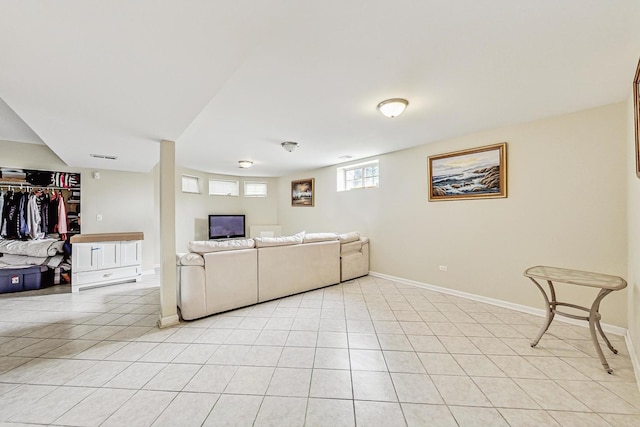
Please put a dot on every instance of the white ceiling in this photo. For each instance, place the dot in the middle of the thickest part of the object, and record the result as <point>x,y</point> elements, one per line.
<point>231,80</point>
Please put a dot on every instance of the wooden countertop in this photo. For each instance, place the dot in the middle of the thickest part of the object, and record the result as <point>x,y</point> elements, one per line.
<point>107,237</point>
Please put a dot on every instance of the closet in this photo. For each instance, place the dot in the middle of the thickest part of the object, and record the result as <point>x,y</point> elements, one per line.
<point>38,207</point>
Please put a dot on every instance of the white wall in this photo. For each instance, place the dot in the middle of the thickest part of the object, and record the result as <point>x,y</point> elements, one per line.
<point>124,199</point>
<point>192,210</point>
<point>566,207</point>
<point>633,216</point>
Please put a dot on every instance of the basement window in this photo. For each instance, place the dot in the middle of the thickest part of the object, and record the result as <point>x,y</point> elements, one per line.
<point>255,189</point>
<point>361,175</point>
<point>190,184</point>
<point>222,187</point>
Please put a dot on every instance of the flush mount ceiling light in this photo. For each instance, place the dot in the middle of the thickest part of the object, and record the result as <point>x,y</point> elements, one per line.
<point>245,163</point>
<point>392,107</point>
<point>290,145</point>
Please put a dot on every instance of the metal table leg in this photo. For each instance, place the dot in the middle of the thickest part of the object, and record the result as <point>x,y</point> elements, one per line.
<point>550,309</point>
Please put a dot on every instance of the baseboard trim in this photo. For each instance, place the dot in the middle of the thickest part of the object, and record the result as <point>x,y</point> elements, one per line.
<point>148,272</point>
<point>612,329</point>
<point>165,322</point>
<point>633,355</point>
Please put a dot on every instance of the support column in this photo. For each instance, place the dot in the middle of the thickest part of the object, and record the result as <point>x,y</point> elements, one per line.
<point>168,300</point>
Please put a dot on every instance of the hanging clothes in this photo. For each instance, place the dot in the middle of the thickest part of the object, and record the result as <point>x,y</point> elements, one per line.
<point>34,219</point>
<point>53,213</point>
<point>44,212</point>
<point>23,223</point>
<point>1,210</point>
<point>62,217</point>
<point>11,215</point>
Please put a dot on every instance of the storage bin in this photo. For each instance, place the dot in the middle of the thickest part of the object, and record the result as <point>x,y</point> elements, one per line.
<point>20,279</point>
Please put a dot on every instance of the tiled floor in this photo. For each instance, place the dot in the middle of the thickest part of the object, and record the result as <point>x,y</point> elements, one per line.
<point>368,352</point>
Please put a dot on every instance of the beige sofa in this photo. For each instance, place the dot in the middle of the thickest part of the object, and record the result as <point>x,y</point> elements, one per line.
<point>217,276</point>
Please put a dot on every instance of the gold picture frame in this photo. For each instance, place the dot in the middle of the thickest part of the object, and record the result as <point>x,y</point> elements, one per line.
<point>302,192</point>
<point>636,114</point>
<point>476,173</point>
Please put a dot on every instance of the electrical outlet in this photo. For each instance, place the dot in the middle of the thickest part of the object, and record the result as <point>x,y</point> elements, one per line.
<point>99,217</point>
<point>443,268</point>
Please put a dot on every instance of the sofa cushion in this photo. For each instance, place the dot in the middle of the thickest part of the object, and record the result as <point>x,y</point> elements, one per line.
<point>320,237</point>
<point>349,237</point>
<point>206,246</point>
<point>190,259</point>
<point>265,242</point>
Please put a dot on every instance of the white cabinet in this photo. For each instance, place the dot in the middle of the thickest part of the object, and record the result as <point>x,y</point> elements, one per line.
<point>99,262</point>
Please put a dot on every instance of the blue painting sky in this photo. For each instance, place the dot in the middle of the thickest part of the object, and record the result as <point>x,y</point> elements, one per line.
<point>466,162</point>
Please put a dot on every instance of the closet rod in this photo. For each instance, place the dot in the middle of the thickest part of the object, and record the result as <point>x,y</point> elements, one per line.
<point>22,185</point>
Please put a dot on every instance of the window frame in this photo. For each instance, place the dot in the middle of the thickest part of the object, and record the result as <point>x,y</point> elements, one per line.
<point>342,172</point>
<point>192,178</point>
<point>237,187</point>
<point>266,188</point>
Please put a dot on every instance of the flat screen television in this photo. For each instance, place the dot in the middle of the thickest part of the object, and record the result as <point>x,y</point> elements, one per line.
<point>226,226</point>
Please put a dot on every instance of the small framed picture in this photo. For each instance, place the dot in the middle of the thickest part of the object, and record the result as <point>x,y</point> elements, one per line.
<point>476,173</point>
<point>302,192</point>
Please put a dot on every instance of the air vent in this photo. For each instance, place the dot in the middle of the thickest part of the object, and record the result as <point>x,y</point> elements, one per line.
<point>104,156</point>
<point>347,157</point>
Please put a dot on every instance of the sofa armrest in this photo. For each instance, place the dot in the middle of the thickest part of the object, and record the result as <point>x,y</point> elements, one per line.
<point>354,259</point>
<point>191,291</point>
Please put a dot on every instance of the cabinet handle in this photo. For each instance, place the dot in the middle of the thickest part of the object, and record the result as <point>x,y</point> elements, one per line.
<point>95,249</point>
<point>107,275</point>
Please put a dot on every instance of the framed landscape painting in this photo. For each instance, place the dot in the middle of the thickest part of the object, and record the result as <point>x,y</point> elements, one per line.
<point>302,192</point>
<point>477,173</point>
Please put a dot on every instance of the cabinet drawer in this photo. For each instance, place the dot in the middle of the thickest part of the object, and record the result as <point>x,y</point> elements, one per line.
<point>107,275</point>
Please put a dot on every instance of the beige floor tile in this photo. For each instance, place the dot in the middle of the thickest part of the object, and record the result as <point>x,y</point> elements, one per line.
<point>297,357</point>
<point>367,360</point>
<point>403,361</point>
<point>373,386</point>
<point>428,415</point>
<point>415,388</point>
<point>329,413</point>
<point>459,390</point>
<point>141,409</point>
<point>196,353</point>
<point>517,367</point>
<point>211,379</point>
<point>187,410</point>
<point>96,408</point>
<point>250,380</point>
<point>363,341</point>
<point>136,375</point>
<point>394,342</point>
<point>504,393</point>
<point>478,365</point>
<point>173,377</point>
<point>598,398</point>
<point>332,358</point>
<point>51,406</point>
<point>477,417</point>
<point>262,356</point>
<point>234,410</point>
<point>290,382</point>
<point>281,411</point>
<point>579,419</point>
<point>440,364</point>
<point>334,384</point>
<point>378,414</point>
<point>550,395</point>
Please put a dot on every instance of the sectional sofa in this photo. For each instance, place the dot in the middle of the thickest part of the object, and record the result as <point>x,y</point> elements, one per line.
<point>216,276</point>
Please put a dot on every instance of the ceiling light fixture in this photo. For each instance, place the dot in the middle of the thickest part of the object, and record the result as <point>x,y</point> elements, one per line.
<point>245,163</point>
<point>290,145</point>
<point>392,107</point>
